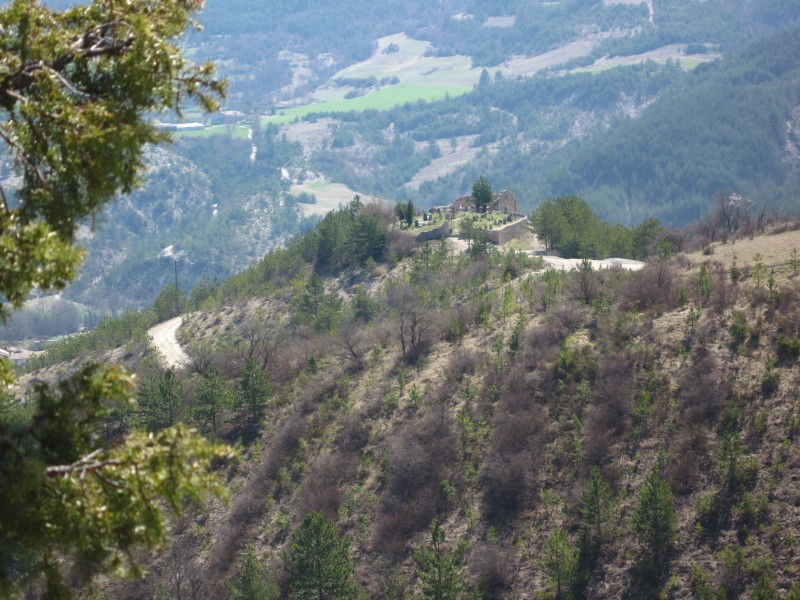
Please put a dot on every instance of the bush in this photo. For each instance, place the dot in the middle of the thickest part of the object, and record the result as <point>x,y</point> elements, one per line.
<point>688,461</point>
<point>321,487</point>
<point>421,457</point>
<point>490,565</point>
<point>506,481</point>
<point>464,361</point>
<point>703,389</point>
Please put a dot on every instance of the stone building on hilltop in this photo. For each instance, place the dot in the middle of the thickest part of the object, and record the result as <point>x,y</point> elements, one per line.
<point>505,202</point>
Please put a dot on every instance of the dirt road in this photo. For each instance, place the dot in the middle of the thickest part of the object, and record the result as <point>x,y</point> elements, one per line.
<point>165,339</point>
<point>566,264</point>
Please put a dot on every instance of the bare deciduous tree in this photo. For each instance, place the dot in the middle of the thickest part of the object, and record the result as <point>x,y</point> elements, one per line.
<point>415,321</point>
<point>260,338</point>
<point>353,342</point>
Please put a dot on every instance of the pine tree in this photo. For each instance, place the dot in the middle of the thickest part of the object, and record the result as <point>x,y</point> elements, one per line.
<point>794,262</point>
<point>705,285</point>
<point>759,270</point>
<point>482,194</point>
<point>560,562</point>
<point>440,570</point>
<point>654,517</point>
<point>597,510</point>
<point>319,563</point>
<point>213,397</point>
<point>254,392</point>
<point>254,581</point>
<point>160,401</point>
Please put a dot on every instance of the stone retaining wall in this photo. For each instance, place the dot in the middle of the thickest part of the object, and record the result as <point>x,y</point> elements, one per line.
<point>507,233</point>
<point>441,231</point>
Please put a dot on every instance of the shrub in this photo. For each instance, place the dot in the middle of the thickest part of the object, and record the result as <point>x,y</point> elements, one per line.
<point>464,361</point>
<point>650,288</point>
<point>703,389</point>
<point>688,461</point>
<point>421,456</point>
<point>490,565</point>
<point>506,481</point>
<point>321,486</point>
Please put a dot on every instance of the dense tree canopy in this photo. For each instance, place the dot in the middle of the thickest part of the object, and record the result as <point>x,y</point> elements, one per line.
<point>568,225</point>
<point>76,89</point>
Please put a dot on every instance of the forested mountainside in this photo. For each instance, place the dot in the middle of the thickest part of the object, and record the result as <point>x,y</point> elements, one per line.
<point>389,405</point>
<point>251,33</point>
<point>523,431</point>
<point>382,107</point>
<point>636,142</point>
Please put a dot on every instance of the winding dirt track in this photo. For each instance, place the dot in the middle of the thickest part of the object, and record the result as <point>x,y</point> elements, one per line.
<point>165,339</point>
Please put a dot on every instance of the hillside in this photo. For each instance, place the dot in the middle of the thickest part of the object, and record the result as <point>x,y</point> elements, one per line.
<point>411,383</point>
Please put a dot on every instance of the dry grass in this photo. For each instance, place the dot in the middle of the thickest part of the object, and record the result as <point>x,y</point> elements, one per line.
<point>776,250</point>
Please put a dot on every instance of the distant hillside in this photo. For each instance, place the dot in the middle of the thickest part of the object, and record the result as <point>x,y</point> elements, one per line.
<point>726,128</point>
<point>635,142</point>
<point>574,128</point>
<point>205,204</point>
<point>251,38</point>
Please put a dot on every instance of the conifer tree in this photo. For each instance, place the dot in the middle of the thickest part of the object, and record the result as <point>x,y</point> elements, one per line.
<point>560,562</point>
<point>654,517</point>
<point>597,510</point>
<point>160,401</point>
<point>254,393</point>
<point>440,569</point>
<point>319,563</point>
<point>213,397</point>
<point>254,581</point>
<point>78,89</point>
<point>482,193</point>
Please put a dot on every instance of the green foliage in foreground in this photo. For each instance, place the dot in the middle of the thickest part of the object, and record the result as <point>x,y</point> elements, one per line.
<point>67,492</point>
<point>74,88</point>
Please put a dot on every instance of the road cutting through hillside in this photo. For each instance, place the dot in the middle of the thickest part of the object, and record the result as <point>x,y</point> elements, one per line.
<point>164,336</point>
<point>566,264</point>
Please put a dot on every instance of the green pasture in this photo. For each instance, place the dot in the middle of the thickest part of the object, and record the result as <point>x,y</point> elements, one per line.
<point>382,99</point>
<point>687,63</point>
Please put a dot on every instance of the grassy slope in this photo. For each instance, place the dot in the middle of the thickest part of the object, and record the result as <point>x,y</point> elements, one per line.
<point>384,446</point>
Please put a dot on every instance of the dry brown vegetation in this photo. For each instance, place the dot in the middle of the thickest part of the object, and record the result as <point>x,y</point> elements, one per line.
<point>496,438</point>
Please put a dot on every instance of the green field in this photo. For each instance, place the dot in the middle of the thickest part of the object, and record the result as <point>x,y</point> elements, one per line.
<point>687,63</point>
<point>239,132</point>
<point>380,100</point>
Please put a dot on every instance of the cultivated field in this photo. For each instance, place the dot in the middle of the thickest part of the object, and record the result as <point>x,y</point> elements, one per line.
<point>329,196</point>
<point>419,77</point>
